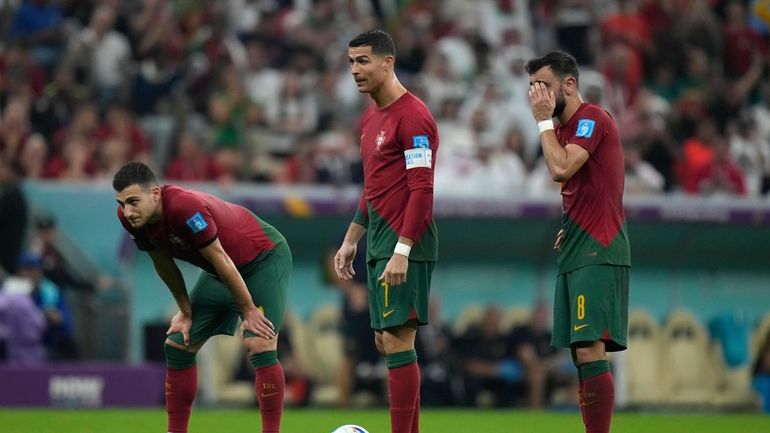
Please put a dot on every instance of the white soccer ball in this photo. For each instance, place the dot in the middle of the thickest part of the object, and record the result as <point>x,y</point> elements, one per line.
<point>350,428</point>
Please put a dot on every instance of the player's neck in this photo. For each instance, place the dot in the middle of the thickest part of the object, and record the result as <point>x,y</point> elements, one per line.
<point>569,110</point>
<point>388,92</point>
<point>158,213</point>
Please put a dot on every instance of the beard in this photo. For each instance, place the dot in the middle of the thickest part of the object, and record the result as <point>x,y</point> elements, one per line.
<point>560,104</point>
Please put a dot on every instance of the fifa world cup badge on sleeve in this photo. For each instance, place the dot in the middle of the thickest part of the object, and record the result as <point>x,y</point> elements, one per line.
<point>197,223</point>
<point>421,155</point>
<point>585,128</point>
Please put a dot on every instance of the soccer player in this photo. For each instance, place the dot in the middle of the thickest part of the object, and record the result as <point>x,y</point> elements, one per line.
<point>584,153</point>
<point>246,264</point>
<point>399,141</point>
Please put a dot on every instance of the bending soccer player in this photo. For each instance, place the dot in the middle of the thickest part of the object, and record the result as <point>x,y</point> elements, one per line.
<point>399,141</point>
<point>246,265</point>
<point>584,153</point>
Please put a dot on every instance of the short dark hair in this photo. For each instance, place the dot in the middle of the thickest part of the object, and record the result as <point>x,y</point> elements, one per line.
<point>562,64</point>
<point>134,173</point>
<point>379,40</point>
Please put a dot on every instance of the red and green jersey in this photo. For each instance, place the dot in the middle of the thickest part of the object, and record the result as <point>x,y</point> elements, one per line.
<point>191,220</point>
<point>592,219</point>
<point>398,147</point>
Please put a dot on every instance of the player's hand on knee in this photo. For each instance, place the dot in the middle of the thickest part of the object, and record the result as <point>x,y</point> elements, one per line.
<point>395,271</point>
<point>181,323</point>
<point>255,321</point>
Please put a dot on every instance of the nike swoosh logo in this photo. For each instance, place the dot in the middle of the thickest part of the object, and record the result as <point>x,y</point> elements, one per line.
<point>579,327</point>
<point>270,394</point>
<point>387,313</point>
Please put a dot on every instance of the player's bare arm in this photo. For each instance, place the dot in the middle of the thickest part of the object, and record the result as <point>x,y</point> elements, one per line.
<point>169,272</point>
<point>253,318</point>
<point>343,260</point>
<point>395,271</point>
<point>562,162</point>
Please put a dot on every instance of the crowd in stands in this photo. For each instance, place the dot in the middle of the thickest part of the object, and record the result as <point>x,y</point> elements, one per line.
<point>260,91</point>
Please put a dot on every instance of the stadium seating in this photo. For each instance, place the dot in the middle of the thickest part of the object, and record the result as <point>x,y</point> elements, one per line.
<point>759,336</point>
<point>470,316</point>
<point>325,343</point>
<point>643,360</point>
<point>514,317</point>
<point>688,365</point>
<point>218,361</point>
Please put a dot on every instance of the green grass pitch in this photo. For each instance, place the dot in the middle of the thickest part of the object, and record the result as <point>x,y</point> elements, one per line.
<point>376,421</point>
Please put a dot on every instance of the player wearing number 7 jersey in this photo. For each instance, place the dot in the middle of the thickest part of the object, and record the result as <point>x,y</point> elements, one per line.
<point>584,153</point>
<point>399,141</point>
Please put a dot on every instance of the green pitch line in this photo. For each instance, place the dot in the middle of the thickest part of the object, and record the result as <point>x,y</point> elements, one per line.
<point>376,421</point>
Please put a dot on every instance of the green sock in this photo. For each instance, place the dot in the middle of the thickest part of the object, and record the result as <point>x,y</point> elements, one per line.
<point>593,369</point>
<point>395,360</point>
<point>264,359</point>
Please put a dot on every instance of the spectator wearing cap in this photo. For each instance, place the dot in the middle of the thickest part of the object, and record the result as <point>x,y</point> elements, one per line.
<point>57,337</point>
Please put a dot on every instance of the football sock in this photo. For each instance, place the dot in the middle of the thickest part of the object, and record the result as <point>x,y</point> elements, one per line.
<point>598,396</point>
<point>581,389</point>
<point>269,385</point>
<point>416,417</point>
<point>403,389</point>
<point>181,386</point>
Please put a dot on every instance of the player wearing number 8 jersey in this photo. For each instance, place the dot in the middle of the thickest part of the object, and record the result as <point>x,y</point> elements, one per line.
<point>593,253</point>
<point>399,141</point>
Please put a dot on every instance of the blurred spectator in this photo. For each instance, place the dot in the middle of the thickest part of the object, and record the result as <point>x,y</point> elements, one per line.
<point>263,83</point>
<point>742,43</point>
<point>697,155</point>
<point>191,162</point>
<point>13,214</point>
<point>439,82</point>
<point>14,128</point>
<point>103,54</point>
<point>85,122</point>
<point>120,123</point>
<point>361,369</point>
<point>436,359</point>
<point>544,366</point>
<point>575,28</point>
<point>56,106</point>
<point>39,25</point>
<point>75,163</point>
<point>296,110</point>
<point>337,159</point>
<point>57,337</point>
<point>20,75</point>
<point>751,154</point>
<point>111,155</point>
<point>21,323</point>
<point>722,176</point>
<point>33,157</point>
<point>487,368</point>
<point>641,176</point>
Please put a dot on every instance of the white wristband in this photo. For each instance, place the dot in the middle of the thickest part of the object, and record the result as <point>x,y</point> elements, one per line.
<point>402,249</point>
<point>545,125</point>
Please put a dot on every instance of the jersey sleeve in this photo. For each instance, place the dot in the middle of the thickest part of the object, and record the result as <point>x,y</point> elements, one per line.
<point>362,211</point>
<point>591,129</point>
<point>142,243</point>
<point>419,140</point>
<point>191,216</point>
